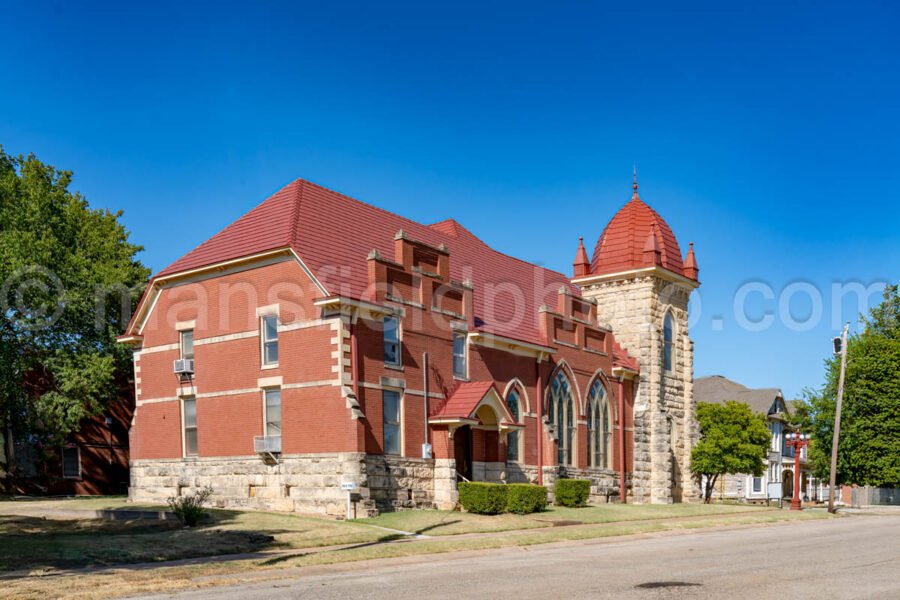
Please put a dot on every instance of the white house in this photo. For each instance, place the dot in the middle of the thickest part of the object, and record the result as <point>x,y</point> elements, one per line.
<point>778,476</point>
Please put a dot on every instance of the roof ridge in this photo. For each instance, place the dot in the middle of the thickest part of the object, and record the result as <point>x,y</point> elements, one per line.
<point>458,224</point>
<point>295,213</point>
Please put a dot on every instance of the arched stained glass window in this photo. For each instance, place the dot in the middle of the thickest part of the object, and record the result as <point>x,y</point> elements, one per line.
<point>512,438</point>
<point>561,411</point>
<point>599,418</point>
<point>668,343</point>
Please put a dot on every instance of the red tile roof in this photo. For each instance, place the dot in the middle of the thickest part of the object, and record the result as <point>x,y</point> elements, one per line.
<point>465,398</point>
<point>327,229</point>
<point>621,358</point>
<point>631,238</point>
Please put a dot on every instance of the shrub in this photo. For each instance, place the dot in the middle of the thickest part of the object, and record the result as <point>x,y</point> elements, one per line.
<point>572,492</point>
<point>525,498</point>
<point>483,498</point>
<point>189,508</point>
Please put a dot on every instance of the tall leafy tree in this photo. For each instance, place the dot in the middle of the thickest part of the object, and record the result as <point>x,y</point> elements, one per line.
<point>869,449</point>
<point>68,278</point>
<point>733,439</point>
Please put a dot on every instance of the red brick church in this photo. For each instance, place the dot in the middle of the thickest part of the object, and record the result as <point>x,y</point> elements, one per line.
<point>320,341</point>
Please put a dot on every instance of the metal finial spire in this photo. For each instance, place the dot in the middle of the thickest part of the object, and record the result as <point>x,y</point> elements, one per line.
<point>635,185</point>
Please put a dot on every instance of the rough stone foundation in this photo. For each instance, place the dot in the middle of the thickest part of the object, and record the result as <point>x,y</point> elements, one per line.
<point>309,483</point>
<point>604,482</point>
<point>397,483</point>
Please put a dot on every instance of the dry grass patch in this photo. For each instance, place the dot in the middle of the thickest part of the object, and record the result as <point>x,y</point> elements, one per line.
<point>31,543</point>
<point>169,579</point>
<point>34,543</point>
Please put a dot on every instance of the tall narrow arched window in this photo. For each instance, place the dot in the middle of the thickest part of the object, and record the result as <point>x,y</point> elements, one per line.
<point>599,418</point>
<point>512,438</point>
<point>561,411</point>
<point>668,343</point>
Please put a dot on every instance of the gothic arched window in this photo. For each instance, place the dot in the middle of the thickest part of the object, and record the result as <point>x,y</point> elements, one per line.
<point>513,437</point>
<point>599,418</point>
<point>561,411</point>
<point>668,343</point>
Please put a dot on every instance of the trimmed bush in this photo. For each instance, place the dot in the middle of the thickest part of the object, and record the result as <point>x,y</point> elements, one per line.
<point>483,498</point>
<point>572,492</point>
<point>525,498</point>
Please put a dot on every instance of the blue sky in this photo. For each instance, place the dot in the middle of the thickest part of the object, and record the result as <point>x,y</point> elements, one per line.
<point>767,133</point>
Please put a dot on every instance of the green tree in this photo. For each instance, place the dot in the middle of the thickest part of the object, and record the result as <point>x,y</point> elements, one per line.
<point>733,439</point>
<point>68,278</point>
<point>869,448</point>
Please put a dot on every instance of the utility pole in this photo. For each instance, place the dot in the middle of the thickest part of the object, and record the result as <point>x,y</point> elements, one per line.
<point>837,417</point>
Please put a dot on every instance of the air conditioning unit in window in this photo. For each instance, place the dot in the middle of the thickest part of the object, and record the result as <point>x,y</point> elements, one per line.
<point>267,444</point>
<point>184,366</point>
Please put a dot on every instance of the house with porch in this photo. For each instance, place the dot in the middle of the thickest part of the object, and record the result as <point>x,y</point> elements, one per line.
<point>320,343</point>
<point>777,480</point>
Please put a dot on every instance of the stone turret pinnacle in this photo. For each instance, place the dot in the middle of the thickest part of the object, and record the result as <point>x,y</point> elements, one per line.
<point>652,253</point>
<point>582,266</point>
<point>691,270</point>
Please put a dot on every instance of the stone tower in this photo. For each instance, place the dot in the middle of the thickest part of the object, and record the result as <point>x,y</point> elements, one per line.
<point>642,286</point>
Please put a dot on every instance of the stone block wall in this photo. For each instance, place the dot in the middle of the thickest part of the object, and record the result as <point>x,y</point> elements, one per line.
<point>604,483</point>
<point>309,483</point>
<point>493,472</point>
<point>397,482</point>
<point>664,423</point>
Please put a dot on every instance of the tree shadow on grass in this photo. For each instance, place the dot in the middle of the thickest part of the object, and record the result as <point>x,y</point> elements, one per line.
<point>385,539</point>
<point>286,557</point>
<point>35,543</point>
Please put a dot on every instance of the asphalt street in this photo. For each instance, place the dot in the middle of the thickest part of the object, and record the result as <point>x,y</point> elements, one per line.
<point>852,557</point>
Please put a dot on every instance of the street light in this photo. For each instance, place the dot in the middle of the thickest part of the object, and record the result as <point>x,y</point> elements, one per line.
<point>797,441</point>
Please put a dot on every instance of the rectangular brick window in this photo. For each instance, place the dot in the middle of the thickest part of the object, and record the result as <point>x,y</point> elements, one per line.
<point>460,368</point>
<point>269,331</point>
<point>71,462</point>
<point>186,343</point>
<point>391,341</point>
<point>390,400</point>
<point>273,412</point>
<point>189,406</point>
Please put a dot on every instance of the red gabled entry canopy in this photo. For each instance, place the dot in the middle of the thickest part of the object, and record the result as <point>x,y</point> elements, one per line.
<point>476,403</point>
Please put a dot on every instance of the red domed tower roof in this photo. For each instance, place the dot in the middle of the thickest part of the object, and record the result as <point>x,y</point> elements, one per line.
<point>635,238</point>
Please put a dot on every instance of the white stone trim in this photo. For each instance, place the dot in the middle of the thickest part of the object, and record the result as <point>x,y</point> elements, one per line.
<point>157,400</point>
<point>220,269</point>
<point>185,325</point>
<point>408,391</point>
<point>515,381</point>
<point>154,349</point>
<point>311,384</point>
<point>226,338</point>
<point>270,310</point>
<point>304,324</point>
<point>261,383</point>
<point>227,393</point>
<point>634,273</point>
<point>506,344</point>
<point>268,382</point>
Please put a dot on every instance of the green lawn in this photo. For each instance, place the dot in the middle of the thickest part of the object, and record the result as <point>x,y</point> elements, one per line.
<point>439,523</point>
